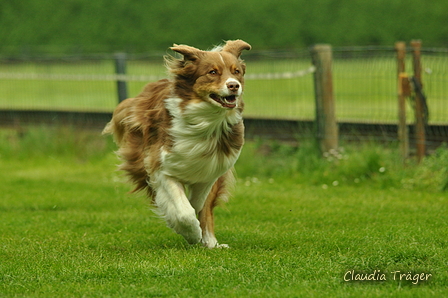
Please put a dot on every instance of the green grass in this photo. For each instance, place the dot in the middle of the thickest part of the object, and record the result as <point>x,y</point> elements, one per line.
<point>365,88</point>
<point>69,228</point>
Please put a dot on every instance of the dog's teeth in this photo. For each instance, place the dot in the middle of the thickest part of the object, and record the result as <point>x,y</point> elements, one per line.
<point>229,99</point>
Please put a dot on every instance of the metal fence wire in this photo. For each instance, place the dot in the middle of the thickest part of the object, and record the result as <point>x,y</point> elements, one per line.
<point>279,85</point>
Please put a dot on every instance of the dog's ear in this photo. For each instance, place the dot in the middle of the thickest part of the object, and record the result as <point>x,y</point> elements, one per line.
<point>189,53</point>
<point>235,47</point>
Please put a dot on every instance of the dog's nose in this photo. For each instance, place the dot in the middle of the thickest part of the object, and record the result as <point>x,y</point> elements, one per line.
<point>233,86</point>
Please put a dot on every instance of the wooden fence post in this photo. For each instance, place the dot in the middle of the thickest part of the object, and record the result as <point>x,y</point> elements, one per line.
<point>403,92</point>
<point>419,105</point>
<point>326,125</point>
<point>120,69</point>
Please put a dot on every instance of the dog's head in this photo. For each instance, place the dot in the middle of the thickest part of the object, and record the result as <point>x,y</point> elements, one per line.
<point>215,76</point>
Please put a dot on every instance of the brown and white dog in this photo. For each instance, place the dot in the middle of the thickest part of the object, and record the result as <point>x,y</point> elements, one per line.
<point>179,138</point>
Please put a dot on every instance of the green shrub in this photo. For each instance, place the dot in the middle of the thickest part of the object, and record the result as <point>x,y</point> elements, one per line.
<point>433,171</point>
<point>351,164</point>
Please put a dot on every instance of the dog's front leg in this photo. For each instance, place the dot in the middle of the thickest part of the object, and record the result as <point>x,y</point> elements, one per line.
<point>174,206</point>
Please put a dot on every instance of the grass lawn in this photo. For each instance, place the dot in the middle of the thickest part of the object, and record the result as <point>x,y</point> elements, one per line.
<point>69,229</point>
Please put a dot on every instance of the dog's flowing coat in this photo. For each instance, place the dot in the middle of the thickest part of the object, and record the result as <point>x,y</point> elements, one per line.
<point>179,138</point>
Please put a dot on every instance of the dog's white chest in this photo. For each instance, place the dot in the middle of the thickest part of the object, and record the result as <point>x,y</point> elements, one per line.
<point>197,134</point>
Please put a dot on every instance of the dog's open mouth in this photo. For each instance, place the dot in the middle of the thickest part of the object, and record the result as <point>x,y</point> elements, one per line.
<point>225,101</point>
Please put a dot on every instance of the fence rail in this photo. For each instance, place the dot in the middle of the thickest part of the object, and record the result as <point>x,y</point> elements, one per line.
<point>78,77</point>
<point>139,78</point>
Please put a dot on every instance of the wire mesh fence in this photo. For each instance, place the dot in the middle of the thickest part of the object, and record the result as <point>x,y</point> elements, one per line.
<point>366,84</point>
<point>279,84</point>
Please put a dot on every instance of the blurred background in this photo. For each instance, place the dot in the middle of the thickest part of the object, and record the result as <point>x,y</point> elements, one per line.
<point>104,26</point>
<point>61,56</point>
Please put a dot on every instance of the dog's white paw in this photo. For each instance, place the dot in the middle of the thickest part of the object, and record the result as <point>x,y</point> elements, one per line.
<point>213,243</point>
<point>189,228</point>
<point>222,245</point>
<point>217,245</point>
<point>192,237</point>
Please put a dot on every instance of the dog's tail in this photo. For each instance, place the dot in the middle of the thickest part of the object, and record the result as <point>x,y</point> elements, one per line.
<point>108,129</point>
<point>116,125</point>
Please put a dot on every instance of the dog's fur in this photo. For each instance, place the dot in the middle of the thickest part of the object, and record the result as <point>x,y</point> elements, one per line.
<point>180,137</point>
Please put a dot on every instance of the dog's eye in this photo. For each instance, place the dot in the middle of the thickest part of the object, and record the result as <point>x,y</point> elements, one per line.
<point>237,71</point>
<point>213,72</point>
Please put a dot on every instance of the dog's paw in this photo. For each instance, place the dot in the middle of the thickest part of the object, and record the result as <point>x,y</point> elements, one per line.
<point>214,244</point>
<point>217,245</point>
<point>190,230</point>
<point>222,245</point>
<point>192,238</point>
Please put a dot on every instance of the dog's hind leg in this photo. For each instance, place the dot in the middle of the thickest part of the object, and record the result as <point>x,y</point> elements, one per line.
<point>198,195</point>
<point>208,225</point>
<point>206,218</point>
<point>174,206</point>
